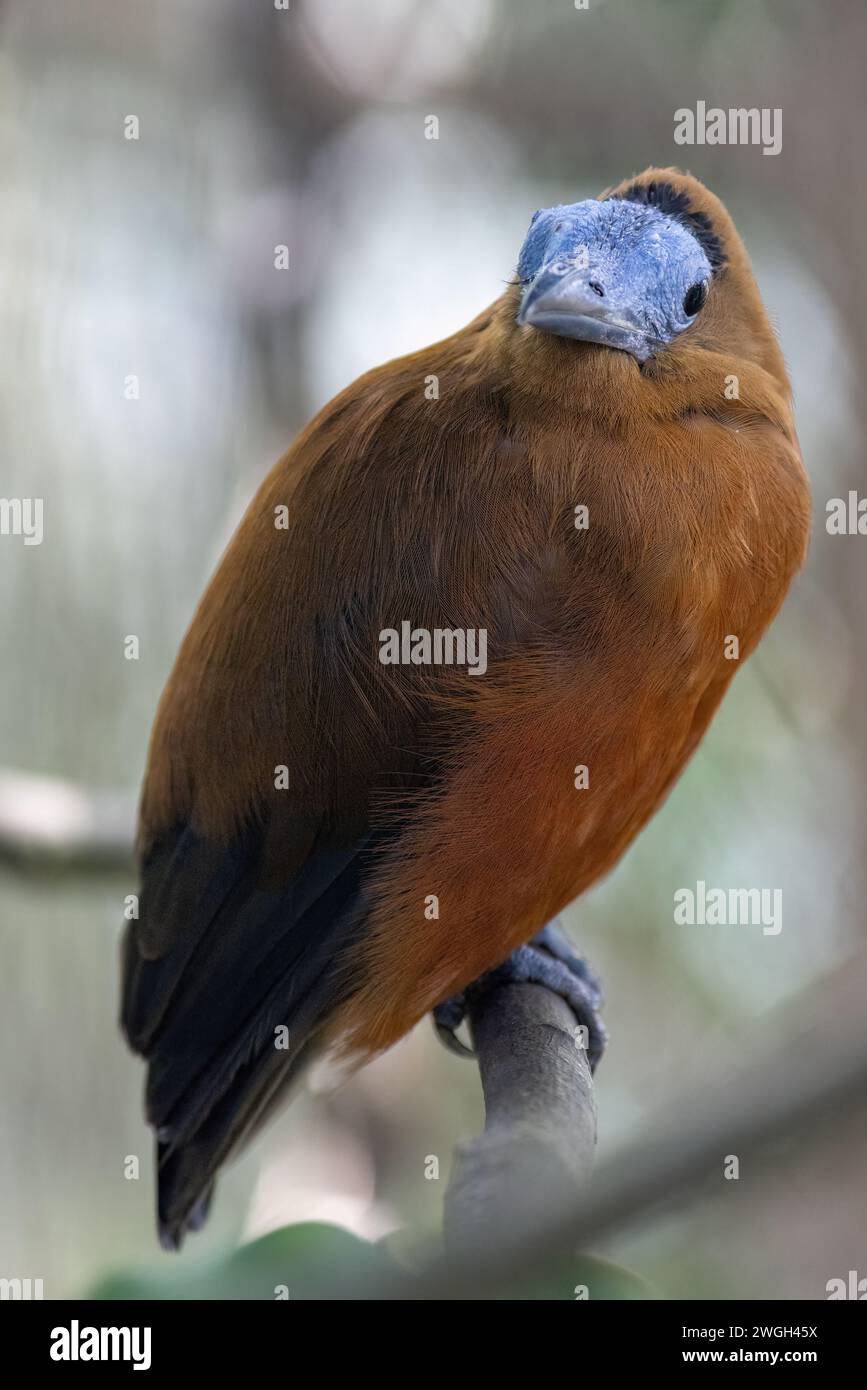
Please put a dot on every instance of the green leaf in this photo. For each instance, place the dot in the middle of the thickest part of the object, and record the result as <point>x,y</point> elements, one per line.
<point>307,1261</point>
<point>579,1278</point>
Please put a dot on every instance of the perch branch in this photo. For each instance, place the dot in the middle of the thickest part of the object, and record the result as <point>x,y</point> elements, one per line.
<point>540,1126</point>
<point>816,1075</point>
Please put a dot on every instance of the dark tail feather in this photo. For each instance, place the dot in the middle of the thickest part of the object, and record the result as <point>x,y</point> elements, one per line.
<point>172,1235</point>
<point>269,959</point>
<point>186,1171</point>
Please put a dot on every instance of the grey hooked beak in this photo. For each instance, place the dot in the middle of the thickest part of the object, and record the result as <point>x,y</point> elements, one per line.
<point>572,304</point>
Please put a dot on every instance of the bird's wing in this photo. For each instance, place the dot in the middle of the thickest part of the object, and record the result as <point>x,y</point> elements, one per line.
<point>286,757</point>
<point>226,1013</point>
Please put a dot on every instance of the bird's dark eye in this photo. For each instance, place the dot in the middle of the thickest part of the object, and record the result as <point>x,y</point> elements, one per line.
<point>694,298</point>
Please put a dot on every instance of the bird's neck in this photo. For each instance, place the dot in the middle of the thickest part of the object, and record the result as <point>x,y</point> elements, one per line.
<point>567,379</point>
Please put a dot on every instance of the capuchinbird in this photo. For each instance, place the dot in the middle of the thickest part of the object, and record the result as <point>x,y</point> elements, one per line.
<point>345,821</point>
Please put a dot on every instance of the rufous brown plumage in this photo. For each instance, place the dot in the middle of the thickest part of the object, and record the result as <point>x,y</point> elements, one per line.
<point>304,801</point>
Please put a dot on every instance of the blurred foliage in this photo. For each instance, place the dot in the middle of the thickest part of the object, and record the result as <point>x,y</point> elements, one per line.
<point>305,1260</point>
<point>313,1260</point>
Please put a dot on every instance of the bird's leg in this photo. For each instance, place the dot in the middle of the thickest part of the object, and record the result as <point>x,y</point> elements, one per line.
<point>549,959</point>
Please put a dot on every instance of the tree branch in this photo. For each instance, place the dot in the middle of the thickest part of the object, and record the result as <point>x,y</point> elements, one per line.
<point>814,1075</point>
<point>49,821</point>
<point>540,1127</point>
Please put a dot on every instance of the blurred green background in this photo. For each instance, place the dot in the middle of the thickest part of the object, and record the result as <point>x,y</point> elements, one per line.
<point>153,258</point>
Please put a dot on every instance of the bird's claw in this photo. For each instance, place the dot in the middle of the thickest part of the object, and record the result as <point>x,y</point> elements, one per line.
<point>549,959</point>
<point>448,1017</point>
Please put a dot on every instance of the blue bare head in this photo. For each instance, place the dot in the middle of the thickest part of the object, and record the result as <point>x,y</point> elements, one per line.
<point>622,273</point>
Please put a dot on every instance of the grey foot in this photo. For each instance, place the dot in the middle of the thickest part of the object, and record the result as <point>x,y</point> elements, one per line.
<point>549,959</point>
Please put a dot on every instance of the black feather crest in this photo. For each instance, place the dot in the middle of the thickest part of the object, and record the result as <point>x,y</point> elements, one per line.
<point>673,202</point>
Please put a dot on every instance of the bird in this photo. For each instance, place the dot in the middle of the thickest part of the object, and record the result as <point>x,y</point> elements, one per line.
<point>346,823</point>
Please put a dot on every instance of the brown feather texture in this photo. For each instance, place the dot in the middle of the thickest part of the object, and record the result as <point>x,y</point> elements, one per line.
<point>302,905</point>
